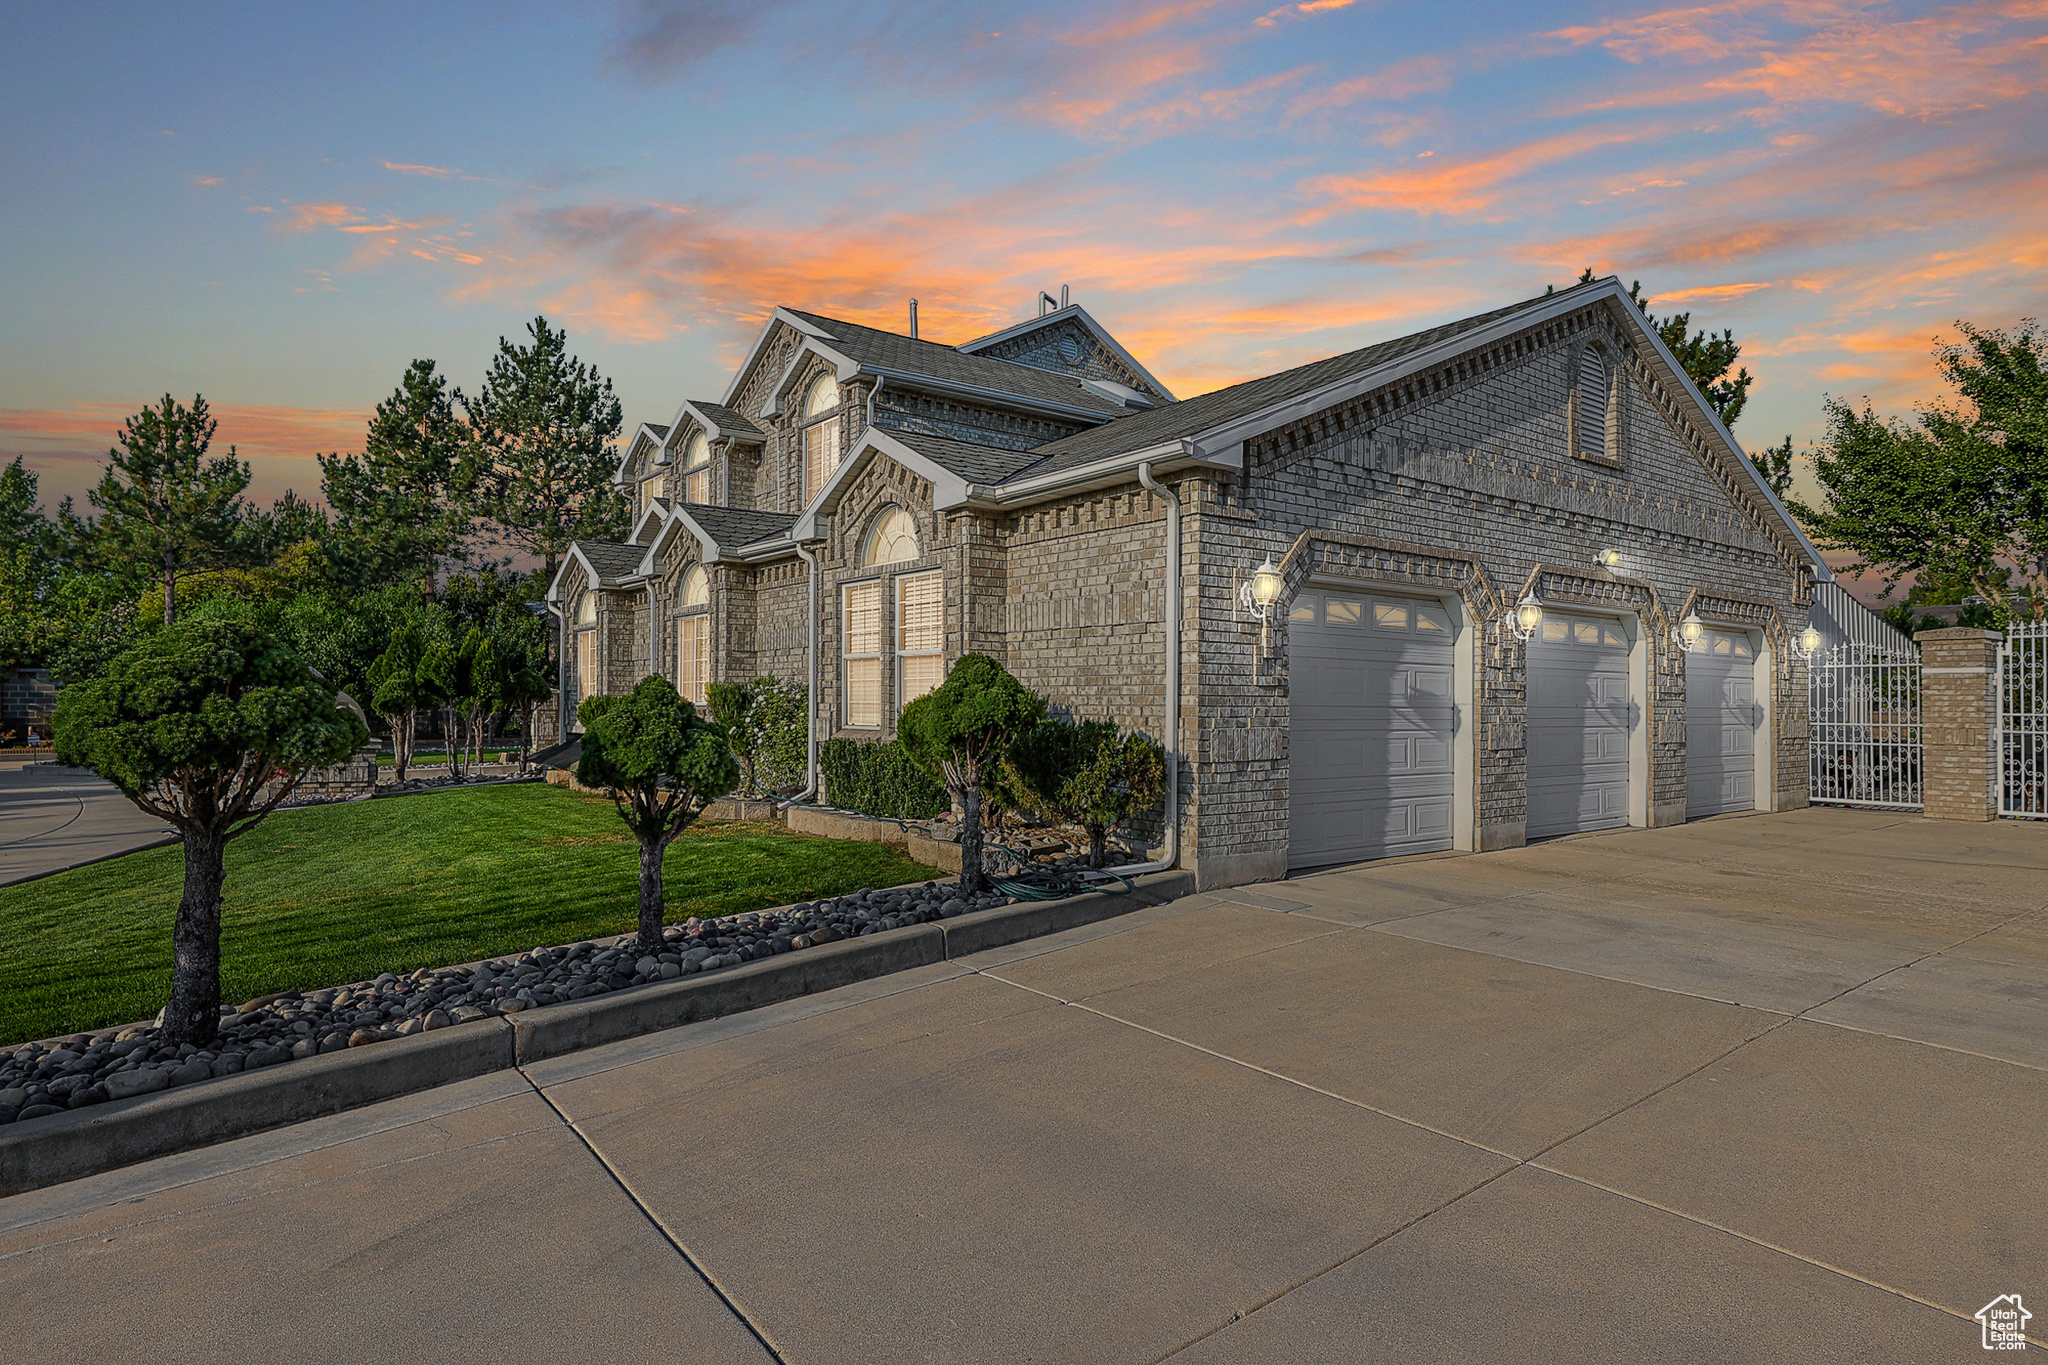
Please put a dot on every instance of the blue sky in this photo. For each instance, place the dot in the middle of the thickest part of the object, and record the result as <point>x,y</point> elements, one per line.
<point>281,205</point>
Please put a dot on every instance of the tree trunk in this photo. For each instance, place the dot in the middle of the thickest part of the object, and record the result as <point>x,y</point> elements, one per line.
<point>1098,844</point>
<point>170,590</point>
<point>973,880</point>
<point>451,741</point>
<point>652,852</point>
<point>193,1013</point>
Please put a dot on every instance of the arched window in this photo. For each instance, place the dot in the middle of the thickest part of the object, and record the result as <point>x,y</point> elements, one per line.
<point>821,436</point>
<point>697,468</point>
<point>891,539</point>
<point>586,609</point>
<point>1596,390</point>
<point>693,637</point>
<point>696,587</point>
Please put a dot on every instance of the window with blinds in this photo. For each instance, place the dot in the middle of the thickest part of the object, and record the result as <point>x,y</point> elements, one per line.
<point>693,657</point>
<point>821,455</point>
<point>862,655</point>
<point>697,469</point>
<point>920,634</point>
<point>586,665</point>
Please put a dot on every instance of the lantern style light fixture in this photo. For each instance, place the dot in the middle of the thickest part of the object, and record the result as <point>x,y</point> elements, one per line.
<point>1608,559</point>
<point>1689,631</point>
<point>1258,595</point>
<point>1525,618</point>
<point>1807,644</point>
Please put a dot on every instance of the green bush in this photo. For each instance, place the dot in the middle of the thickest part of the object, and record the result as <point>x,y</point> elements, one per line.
<point>764,722</point>
<point>879,779</point>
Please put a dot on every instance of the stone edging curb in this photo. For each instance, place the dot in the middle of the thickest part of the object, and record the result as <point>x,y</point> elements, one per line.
<point>165,842</point>
<point>61,1147</point>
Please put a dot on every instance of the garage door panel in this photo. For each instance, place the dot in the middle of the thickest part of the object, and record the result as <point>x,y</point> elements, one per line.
<point>1372,723</point>
<point>1580,719</point>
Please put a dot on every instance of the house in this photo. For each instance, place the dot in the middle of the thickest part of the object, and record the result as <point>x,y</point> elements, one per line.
<point>1523,582</point>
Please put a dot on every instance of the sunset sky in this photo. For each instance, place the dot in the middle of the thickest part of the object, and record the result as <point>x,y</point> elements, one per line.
<point>280,205</point>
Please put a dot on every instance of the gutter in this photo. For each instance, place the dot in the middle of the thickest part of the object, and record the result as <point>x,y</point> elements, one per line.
<point>1171,853</point>
<point>994,397</point>
<point>810,690</point>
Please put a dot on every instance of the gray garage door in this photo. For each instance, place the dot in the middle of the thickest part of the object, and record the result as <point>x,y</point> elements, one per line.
<point>1579,719</point>
<point>1371,722</point>
<point>1721,723</point>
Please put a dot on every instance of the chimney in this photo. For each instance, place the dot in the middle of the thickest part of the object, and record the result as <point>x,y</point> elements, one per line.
<point>913,319</point>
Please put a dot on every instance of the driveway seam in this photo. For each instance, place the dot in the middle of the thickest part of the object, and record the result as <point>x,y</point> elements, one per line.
<point>746,1319</point>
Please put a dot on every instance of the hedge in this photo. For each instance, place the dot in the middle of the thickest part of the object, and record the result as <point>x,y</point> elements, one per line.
<point>879,779</point>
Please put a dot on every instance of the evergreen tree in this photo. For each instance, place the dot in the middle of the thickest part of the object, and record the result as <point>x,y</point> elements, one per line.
<point>402,508</point>
<point>167,510</point>
<point>1706,358</point>
<point>544,430</point>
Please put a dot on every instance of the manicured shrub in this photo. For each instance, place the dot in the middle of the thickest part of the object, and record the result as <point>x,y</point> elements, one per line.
<point>764,722</point>
<point>879,779</point>
<point>959,732</point>
<point>1086,774</point>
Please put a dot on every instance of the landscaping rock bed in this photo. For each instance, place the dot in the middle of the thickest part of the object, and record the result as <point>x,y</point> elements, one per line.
<point>83,1069</point>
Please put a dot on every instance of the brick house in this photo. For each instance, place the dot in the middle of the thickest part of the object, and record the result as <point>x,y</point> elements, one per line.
<point>1528,583</point>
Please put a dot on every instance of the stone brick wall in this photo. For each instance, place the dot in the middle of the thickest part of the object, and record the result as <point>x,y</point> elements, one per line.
<point>28,697</point>
<point>1047,348</point>
<point>1959,723</point>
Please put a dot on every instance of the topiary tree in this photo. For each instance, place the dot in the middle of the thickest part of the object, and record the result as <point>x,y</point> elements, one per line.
<point>193,724</point>
<point>959,731</point>
<point>663,765</point>
<point>1087,775</point>
<point>729,703</point>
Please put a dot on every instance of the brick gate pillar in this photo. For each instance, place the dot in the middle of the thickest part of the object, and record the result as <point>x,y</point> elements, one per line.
<point>1959,723</point>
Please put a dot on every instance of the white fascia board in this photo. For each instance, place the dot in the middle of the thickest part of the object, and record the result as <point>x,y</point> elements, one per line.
<point>654,513</point>
<point>995,398</point>
<point>713,431</point>
<point>575,556</point>
<point>1674,373</point>
<point>1117,469</point>
<point>619,479</point>
<point>948,488</point>
<point>844,367</point>
<point>1077,312</point>
<point>679,522</point>
<point>766,549</point>
<point>781,315</point>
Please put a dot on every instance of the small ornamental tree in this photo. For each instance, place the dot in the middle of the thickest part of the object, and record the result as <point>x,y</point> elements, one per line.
<point>663,765</point>
<point>959,731</point>
<point>729,703</point>
<point>1087,775</point>
<point>193,724</point>
<point>395,692</point>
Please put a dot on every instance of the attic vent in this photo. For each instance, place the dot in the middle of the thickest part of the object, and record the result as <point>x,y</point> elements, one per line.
<point>1070,350</point>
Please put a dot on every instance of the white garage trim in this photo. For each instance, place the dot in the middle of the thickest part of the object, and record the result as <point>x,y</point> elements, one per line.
<point>1634,671</point>
<point>1724,651</point>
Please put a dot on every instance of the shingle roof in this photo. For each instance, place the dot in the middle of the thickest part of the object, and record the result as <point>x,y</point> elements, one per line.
<point>974,463</point>
<point>1191,415</point>
<point>727,419</point>
<point>612,561</point>
<point>893,352</point>
<point>658,429</point>
<point>732,527</point>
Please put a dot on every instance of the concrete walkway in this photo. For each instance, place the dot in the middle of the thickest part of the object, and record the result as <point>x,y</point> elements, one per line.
<point>52,818</point>
<point>1766,1088</point>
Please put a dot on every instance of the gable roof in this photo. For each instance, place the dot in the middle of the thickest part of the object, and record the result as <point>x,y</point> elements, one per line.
<point>1076,313</point>
<point>1192,415</point>
<point>893,355</point>
<point>720,421</point>
<point>720,532</point>
<point>605,563</point>
<point>974,463</point>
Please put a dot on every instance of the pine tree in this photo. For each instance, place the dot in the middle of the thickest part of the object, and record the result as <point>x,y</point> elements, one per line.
<point>543,455</point>
<point>166,509</point>
<point>402,508</point>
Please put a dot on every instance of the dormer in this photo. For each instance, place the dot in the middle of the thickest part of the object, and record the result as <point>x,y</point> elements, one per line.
<point>1068,341</point>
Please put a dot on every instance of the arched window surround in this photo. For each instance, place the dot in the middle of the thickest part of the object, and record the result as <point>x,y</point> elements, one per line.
<point>891,538</point>
<point>821,436</point>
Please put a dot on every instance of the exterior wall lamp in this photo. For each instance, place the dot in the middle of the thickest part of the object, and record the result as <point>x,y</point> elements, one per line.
<point>1608,559</point>
<point>1806,645</point>
<point>1257,595</point>
<point>1524,619</point>
<point>1688,632</point>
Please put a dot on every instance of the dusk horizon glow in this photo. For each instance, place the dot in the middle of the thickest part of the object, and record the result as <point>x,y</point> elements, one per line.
<point>279,209</point>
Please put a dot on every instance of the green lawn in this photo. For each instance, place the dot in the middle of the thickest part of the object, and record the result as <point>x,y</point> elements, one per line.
<point>329,894</point>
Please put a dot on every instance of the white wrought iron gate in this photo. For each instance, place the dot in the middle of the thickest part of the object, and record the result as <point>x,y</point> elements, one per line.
<point>1865,738</point>
<point>2023,721</point>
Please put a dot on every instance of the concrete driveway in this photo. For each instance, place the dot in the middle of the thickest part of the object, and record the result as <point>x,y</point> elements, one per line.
<point>52,818</point>
<point>1757,1089</point>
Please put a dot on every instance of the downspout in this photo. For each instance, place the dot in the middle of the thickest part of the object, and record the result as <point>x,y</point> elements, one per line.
<point>811,689</point>
<point>561,616</point>
<point>1171,853</point>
